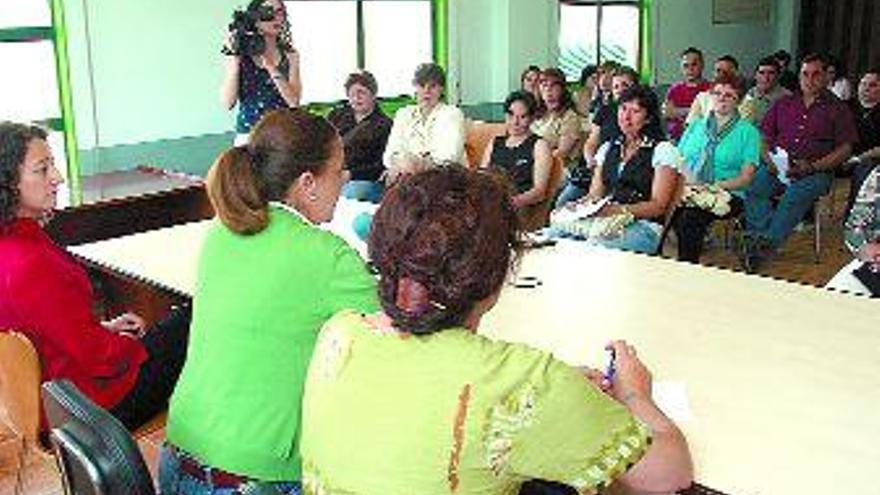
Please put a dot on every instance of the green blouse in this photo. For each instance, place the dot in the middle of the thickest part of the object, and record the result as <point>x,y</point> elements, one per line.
<point>259,303</point>
<point>394,413</point>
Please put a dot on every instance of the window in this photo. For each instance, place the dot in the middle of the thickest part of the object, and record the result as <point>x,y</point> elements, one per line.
<point>30,92</point>
<point>334,37</point>
<point>591,31</point>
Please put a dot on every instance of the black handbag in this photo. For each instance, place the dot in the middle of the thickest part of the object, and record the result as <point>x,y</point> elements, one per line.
<point>869,278</point>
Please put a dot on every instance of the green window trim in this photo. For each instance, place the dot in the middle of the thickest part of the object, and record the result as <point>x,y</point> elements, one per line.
<point>26,34</point>
<point>65,96</point>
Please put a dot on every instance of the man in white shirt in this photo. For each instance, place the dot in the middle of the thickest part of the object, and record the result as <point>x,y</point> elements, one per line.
<point>427,133</point>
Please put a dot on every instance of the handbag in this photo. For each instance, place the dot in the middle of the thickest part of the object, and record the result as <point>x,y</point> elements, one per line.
<point>869,278</point>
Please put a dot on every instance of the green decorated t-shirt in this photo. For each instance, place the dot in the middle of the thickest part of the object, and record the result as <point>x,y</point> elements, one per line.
<point>393,413</point>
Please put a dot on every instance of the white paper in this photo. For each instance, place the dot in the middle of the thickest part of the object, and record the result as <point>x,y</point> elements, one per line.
<point>779,157</point>
<point>578,211</point>
<point>671,398</point>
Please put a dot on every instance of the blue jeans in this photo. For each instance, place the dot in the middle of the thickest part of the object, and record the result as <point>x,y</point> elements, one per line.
<point>797,198</point>
<point>363,190</point>
<point>173,481</point>
<point>641,236</point>
<point>569,193</point>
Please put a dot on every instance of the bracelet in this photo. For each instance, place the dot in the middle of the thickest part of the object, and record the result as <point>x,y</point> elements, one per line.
<point>278,77</point>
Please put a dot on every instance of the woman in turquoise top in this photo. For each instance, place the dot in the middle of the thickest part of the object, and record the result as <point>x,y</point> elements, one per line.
<point>721,153</point>
<point>413,401</point>
<point>268,278</point>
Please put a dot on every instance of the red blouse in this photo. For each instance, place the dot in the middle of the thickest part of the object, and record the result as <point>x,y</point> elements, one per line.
<point>47,296</point>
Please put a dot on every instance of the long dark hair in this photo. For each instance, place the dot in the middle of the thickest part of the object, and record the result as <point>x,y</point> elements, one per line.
<point>14,141</point>
<point>645,97</point>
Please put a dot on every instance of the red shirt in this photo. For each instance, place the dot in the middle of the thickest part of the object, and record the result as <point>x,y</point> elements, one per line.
<point>809,133</point>
<point>682,95</point>
<point>47,296</point>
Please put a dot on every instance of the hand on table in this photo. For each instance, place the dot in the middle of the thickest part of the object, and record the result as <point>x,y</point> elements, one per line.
<point>126,323</point>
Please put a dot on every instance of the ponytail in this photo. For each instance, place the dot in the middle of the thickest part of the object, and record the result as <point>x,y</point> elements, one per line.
<point>235,193</point>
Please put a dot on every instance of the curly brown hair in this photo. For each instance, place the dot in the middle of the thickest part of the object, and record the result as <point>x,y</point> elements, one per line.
<point>442,240</point>
<point>14,141</point>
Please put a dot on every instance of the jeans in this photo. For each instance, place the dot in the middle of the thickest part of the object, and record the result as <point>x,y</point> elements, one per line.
<point>364,190</point>
<point>173,481</point>
<point>569,193</point>
<point>797,198</point>
<point>641,236</point>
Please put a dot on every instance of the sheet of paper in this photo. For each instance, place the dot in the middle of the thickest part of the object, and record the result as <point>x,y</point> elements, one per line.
<point>578,211</point>
<point>779,157</point>
<point>671,398</point>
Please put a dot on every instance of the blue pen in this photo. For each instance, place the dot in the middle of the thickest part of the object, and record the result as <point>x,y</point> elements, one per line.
<point>611,369</point>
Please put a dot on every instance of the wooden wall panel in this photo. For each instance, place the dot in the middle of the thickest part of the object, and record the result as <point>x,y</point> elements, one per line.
<point>847,29</point>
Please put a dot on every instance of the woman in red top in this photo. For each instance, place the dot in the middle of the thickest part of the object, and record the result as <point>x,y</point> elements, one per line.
<point>47,296</point>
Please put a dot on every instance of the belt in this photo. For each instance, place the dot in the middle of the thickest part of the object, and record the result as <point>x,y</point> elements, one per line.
<point>215,477</point>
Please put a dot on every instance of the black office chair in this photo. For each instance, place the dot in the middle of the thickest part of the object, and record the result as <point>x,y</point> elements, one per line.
<point>96,454</point>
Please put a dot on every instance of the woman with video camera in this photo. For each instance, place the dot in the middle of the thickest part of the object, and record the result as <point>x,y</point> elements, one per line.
<point>262,67</point>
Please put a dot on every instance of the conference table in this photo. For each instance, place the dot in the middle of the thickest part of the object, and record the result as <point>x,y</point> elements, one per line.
<point>774,384</point>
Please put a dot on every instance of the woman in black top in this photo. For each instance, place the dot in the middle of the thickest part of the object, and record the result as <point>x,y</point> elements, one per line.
<point>364,129</point>
<point>520,154</point>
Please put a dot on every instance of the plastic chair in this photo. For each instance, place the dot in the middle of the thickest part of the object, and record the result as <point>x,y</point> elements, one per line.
<point>96,454</point>
<point>478,135</point>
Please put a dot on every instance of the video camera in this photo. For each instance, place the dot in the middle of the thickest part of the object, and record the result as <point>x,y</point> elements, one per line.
<point>246,37</point>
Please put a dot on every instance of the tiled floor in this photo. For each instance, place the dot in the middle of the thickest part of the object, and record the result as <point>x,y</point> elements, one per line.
<point>40,474</point>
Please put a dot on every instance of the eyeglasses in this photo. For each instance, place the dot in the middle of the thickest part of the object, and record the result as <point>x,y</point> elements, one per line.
<point>724,96</point>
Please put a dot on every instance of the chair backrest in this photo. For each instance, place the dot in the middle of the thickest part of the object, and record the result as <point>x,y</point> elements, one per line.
<point>20,385</point>
<point>478,135</point>
<point>96,454</point>
<point>538,216</point>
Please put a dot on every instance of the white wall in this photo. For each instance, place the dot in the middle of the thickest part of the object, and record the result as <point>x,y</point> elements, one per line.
<point>156,69</point>
<point>683,23</point>
<point>492,41</point>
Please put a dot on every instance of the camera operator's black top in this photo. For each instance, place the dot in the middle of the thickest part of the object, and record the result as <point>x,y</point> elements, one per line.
<point>257,93</point>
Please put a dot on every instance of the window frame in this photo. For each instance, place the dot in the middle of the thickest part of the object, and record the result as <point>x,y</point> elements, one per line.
<point>439,43</point>
<point>643,7</point>
<point>64,123</point>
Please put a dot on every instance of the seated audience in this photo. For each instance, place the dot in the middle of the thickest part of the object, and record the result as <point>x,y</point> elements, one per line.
<point>817,131</point>
<point>529,80</point>
<point>866,109</point>
<point>702,104</point>
<point>521,155</point>
<point>120,364</point>
<point>364,128</point>
<point>268,278</point>
<point>837,80</point>
<point>585,96</point>
<point>787,78</point>
<point>603,128</point>
<point>427,133</point>
<point>638,171</point>
<point>559,125</point>
<point>446,410</point>
<point>604,83</point>
<point>681,94</point>
<point>721,154</point>
<point>764,93</point>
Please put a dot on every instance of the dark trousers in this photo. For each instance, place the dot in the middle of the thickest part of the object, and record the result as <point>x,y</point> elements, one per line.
<point>691,225</point>
<point>166,346</point>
